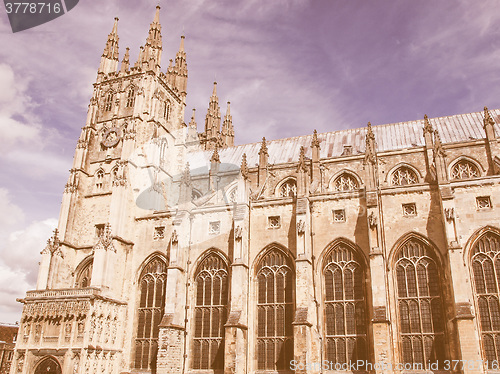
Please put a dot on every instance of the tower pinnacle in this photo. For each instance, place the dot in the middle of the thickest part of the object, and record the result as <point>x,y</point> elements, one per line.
<point>109,58</point>
<point>151,58</point>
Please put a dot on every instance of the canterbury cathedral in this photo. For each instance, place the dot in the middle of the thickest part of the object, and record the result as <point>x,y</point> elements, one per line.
<point>367,250</point>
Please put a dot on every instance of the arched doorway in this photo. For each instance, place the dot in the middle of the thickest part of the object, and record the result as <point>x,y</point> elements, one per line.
<point>48,365</point>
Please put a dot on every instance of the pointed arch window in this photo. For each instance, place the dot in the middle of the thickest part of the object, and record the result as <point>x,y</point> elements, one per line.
<point>345,306</point>
<point>288,188</point>
<point>404,176</point>
<point>85,275</point>
<point>345,182</point>
<point>464,169</point>
<point>152,284</point>
<point>99,179</point>
<point>166,110</point>
<point>275,312</point>
<point>130,97</point>
<point>108,103</point>
<point>486,278</point>
<point>210,314</point>
<point>420,307</point>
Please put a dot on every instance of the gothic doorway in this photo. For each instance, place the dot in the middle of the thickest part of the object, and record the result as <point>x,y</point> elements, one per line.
<point>48,365</point>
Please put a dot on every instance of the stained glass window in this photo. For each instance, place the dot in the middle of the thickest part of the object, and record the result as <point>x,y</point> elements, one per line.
<point>420,308</point>
<point>345,306</point>
<point>464,169</point>
<point>275,312</point>
<point>486,275</point>
<point>345,182</point>
<point>151,308</point>
<point>404,176</point>
<point>288,188</point>
<point>210,314</point>
<point>85,275</point>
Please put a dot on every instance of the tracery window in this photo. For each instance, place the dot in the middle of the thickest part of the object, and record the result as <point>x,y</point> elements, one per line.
<point>288,188</point>
<point>130,97</point>
<point>404,176</point>
<point>99,179</point>
<point>486,278</point>
<point>108,103</point>
<point>210,313</point>
<point>152,283</point>
<point>345,306</point>
<point>275,312</point>
<point>345,182</point>
<point>464,169</point>
<point>420,308</point>
<point>84,276</point>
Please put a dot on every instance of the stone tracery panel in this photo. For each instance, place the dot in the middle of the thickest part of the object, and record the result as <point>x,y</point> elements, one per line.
<point>275,312</point>
<point>485,261</point>
<point>344,306</point>
<point>419,305</point>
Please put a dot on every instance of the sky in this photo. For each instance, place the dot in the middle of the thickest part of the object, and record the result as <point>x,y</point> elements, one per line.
<point>287,66</point>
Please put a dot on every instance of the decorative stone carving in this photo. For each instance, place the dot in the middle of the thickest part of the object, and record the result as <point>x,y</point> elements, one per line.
<point>53,246</point>
<point>301,227</point>
<point>238,233</point>
<point>174,238</point>
<point>20,362</point>
<point>372,220</point>
<point>449,214</point>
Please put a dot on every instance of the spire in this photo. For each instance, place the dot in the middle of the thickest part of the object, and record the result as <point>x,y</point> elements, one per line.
<point>109,58</point>
<point>227,132</point>
<point>153,47</point>
<point>212,121</point>
<point>180,69</point>
<point>126,60</point>
<point>192,123</point>
<point>438,145</point>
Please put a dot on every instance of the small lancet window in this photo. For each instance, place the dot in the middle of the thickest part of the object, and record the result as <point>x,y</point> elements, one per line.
<point>464,169</point>
<point>345,182</point>
<point>404,176</point>
<point>166,110</point>
<point>288,188</point>
<point>108,104</point>
<point>130,97</point>
<point>99,179</point>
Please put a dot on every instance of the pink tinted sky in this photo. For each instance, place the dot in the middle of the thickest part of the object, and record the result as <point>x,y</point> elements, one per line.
<point>287,66</point>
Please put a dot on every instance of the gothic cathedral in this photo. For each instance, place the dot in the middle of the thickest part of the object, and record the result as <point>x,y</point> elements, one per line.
<point>362,250</point>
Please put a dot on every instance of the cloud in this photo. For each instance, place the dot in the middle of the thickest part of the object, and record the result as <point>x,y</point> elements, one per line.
<point>11,213</point>
<point>20,254</point>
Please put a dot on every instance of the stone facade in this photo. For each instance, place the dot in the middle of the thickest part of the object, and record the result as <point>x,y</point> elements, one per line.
<point>8,337</point>
<point>178,252</point>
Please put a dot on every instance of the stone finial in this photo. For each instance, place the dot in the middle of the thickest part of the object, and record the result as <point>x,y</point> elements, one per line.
<point>370,152</point>
<point>53,244</point>
<point>438,145</point>
<point>488,120</point>
<point>263,147</point>
<point>315,141</point>
<point>427,125</point>
<point>215,156</point>
<point>126,61</point>
<point>244,167</point>
<point>186,175</point>
<point>302,160</point>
